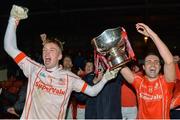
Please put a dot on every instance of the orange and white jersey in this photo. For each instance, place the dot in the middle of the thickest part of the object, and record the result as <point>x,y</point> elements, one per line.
<point>48,92</point>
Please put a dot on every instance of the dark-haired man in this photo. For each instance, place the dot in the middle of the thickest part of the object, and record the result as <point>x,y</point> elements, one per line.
<point>154,91</point>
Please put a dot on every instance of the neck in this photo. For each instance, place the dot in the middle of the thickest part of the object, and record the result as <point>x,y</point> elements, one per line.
<point>152,79</point>
<point>53,69</point>
<point>69,69</point>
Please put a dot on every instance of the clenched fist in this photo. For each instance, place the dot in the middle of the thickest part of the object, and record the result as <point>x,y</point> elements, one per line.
<point>19,12</point>
<point>110,74</point>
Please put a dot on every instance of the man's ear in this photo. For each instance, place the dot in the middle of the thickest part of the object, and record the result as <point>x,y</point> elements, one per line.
<point>159,67</point>
<point>60,56</point>
<point>143,67</point>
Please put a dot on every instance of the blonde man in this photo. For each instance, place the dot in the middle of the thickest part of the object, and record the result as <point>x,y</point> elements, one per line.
<point>49,86</point>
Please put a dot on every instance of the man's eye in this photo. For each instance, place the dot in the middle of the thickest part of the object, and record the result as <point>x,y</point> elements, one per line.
<point>147,62</point>
<point>156,62</point>
<point>151,62</point>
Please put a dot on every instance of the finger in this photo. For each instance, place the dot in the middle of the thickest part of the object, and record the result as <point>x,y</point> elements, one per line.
<point>138,27</point>
<point>141,24</point>
<point>117,69</point>
<point>140,31</point>
<point>13,112</point>
<point>16,114</point>
<point>107,70</point>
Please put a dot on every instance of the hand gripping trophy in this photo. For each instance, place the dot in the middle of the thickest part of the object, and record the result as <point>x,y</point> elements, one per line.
<point>112,49</point>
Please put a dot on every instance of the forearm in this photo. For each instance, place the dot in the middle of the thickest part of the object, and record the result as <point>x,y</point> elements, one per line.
<point>170,76</point>
<point>10,43</point>
<point>127,74</point>
<point>95,80</point>
<point>162,48</point>
<point>94,90</point>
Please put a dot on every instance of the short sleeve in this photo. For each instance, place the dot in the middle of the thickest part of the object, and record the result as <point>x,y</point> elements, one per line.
<point>79,85</point>
<point>137,81</point>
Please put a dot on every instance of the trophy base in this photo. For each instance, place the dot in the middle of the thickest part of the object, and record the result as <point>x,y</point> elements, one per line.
<point>119,65</point>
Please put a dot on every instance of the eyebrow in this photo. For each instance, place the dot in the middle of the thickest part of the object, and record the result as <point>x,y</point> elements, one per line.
<point>49,48</point>
<point>151,60</point>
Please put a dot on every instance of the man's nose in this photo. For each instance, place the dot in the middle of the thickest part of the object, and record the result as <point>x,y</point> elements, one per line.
<point>152,63</point>
<point>47,52</point>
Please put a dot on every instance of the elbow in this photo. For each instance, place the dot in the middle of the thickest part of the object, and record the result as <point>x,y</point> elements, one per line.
<point>93,93</point>
<point>6,48</point>
<point>170,60</point>
<point>11,51</point>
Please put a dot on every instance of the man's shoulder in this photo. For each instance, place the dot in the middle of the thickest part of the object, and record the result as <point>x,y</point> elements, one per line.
<point>69,73</point>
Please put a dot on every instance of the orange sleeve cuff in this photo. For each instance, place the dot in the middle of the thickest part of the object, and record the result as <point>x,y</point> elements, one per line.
<point>84,87</point>
<point>19,57</point>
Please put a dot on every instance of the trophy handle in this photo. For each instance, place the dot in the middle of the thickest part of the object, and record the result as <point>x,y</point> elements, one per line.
<point>94,42</point>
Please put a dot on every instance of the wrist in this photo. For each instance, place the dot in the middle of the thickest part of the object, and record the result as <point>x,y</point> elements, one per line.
<point>104,80</point>
<point>123,66</point>
<point>153,36</point>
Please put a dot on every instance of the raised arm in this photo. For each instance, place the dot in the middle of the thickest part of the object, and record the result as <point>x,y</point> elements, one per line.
<point>10,43</point>
<point>169,66</point>
<point>127,74</point>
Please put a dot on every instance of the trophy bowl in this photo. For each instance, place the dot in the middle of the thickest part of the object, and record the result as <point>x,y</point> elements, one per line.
<point>107,39</point>
<point>112,46</point>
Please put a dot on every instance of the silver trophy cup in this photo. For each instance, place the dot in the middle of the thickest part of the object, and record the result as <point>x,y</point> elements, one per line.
<point>110,44</point>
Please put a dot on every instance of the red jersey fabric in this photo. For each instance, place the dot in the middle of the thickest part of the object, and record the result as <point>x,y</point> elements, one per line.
<point>177,72</point>
<point>176,94</point>
<point>128,95</point>
<point>153,97</point>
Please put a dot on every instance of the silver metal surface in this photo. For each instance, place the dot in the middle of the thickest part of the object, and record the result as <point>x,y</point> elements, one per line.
<point>111,45</point>
<point>108,39</point>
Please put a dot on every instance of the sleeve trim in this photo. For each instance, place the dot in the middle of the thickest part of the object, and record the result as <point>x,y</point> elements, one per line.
<point>19,57</point>
<point>84,87</point>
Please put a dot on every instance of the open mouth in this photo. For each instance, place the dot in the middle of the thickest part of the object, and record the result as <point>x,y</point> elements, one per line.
<point>47,60</point>
<point>152,70</point>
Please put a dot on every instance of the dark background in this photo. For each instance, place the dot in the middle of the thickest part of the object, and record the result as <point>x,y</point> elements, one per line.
<point>77,21</point>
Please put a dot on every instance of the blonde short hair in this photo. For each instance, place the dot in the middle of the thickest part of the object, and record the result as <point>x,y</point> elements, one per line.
<point>56,41</point>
